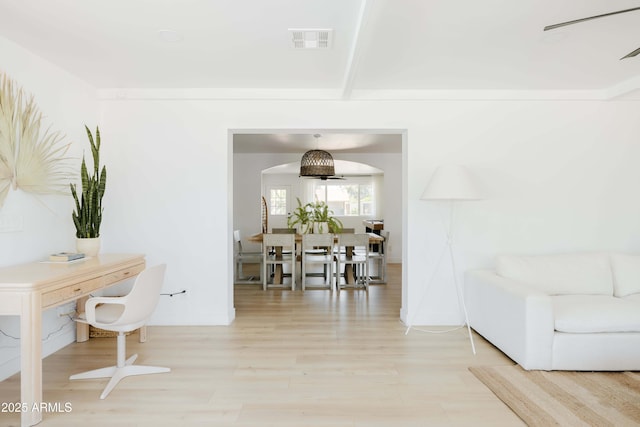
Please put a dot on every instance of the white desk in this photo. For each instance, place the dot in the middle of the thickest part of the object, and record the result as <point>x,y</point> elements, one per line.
<point>27,289</point>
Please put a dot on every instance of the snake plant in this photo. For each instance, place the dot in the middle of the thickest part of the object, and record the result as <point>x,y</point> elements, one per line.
<point>87,216</point>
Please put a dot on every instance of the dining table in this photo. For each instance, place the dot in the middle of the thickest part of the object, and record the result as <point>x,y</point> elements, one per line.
<point>348,274</point>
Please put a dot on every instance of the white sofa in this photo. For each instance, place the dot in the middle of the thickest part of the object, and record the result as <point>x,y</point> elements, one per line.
<point>560,312</point>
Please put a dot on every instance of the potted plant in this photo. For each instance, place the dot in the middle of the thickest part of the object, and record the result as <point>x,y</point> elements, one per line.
<point>323,217</point>
<point>314,217</point>
<point>301,217</point>
<point>87,215</point>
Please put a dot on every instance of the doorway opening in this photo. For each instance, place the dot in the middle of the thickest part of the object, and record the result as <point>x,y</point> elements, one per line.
<point>266,163</point>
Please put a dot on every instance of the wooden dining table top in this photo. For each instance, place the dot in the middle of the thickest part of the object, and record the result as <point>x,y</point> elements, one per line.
<point>373,238</point>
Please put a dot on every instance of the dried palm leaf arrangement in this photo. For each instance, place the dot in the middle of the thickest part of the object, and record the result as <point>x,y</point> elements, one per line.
<point>31,158</point>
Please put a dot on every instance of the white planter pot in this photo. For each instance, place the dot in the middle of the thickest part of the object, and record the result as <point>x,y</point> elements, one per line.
<point>88,246</point>
<point>321,227</point>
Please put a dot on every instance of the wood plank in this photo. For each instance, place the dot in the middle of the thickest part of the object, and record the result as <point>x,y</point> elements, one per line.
<point>290,358</point>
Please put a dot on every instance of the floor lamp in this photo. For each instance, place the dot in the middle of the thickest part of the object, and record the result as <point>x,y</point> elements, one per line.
<point>452,184</point>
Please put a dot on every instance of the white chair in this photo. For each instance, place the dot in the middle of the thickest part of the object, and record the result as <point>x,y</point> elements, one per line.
<point>277,251</point>
<point>379,259</point>
<point>317,249</point>
<point>240,258</point>
<point>276,230</point>
<point>124,314</point>
<point>353,254</point>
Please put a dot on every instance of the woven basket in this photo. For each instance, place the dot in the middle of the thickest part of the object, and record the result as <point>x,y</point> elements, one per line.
<point>101,333</point>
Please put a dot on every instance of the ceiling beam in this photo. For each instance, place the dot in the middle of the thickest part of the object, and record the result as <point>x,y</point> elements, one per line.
<point>356,49</point>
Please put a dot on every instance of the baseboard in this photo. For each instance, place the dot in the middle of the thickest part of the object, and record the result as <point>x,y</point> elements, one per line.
<point>403,315</point>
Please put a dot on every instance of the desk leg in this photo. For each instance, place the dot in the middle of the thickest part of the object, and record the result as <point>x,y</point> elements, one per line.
<point>82,329</point>
<point>31,358</point>
<point>142,334</point>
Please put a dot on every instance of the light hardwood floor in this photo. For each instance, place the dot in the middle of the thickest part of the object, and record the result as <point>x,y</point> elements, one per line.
<point>289,359</point>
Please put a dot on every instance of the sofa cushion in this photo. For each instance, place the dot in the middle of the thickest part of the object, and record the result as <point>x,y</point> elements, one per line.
<point>595,313</point>
<point>564,274</point>
<point>632,297</point>
<point>626,274</point>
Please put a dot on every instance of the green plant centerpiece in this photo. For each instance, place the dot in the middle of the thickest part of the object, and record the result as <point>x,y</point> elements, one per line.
<point>313,217</point>
<point>87,215</point>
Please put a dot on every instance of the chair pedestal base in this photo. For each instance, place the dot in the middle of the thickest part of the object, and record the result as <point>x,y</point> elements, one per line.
<point>123,368</point>
<point>116,373</point>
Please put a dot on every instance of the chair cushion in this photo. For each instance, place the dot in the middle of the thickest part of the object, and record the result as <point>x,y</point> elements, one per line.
<point>595,313</point>
<point>108,313</point>
<point>565,274</point>
<point>626,274</point>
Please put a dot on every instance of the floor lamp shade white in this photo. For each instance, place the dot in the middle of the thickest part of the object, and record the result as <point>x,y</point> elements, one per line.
<point>452,183</point>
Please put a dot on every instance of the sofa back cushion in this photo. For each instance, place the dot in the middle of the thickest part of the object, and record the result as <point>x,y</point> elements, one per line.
<point>626,274</point>
<point>564,274</point>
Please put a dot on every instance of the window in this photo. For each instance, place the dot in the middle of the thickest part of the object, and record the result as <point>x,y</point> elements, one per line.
<point>278,200</point>
<point>352,197</point>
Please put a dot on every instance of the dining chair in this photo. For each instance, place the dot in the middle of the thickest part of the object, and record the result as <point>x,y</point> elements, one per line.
<point>353,256</point>
<point>264,216</point>
<point>378,258</point>
<point>317,249</point>
<point>344,230</point>
<point>278,250</point>
<point>124,314</point>
<point>242,257</point>
<point>287,230</point>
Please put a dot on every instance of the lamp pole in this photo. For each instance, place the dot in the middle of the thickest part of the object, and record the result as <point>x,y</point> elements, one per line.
<point>451,184</point>
<point>452,208</point>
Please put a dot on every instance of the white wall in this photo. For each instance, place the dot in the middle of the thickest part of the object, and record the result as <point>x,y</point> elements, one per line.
<point>559,176</point>
<point>67,104</point>
<point>555,175</point>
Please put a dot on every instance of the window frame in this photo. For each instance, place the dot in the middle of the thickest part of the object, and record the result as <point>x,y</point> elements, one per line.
<point>287,207</point>
<point>359,181</point>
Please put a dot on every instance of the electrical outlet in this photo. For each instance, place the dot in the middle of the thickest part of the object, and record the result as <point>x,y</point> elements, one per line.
<point>10,223</point>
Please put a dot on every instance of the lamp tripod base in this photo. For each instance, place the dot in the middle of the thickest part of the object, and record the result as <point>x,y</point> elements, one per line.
<point>459,293</point>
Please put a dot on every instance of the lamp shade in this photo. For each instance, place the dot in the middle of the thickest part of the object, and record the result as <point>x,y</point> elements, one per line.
<point>317,163</point>
<point>451,182</point>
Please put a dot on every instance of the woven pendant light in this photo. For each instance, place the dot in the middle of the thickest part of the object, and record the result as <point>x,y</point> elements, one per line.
<point>317,163</point>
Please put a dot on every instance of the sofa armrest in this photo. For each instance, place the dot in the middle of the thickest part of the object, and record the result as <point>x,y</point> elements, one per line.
<point>512,316</point>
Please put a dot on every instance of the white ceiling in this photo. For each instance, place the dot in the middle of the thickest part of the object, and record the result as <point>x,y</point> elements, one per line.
<point>388,45</point>
<point>353,142</point>
<point>381,49</point>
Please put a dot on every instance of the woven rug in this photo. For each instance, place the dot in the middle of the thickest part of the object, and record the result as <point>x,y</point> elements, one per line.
<point>564,398</point>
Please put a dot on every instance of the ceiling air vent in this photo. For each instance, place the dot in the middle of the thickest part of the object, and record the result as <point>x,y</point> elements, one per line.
<point>311,38</point>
